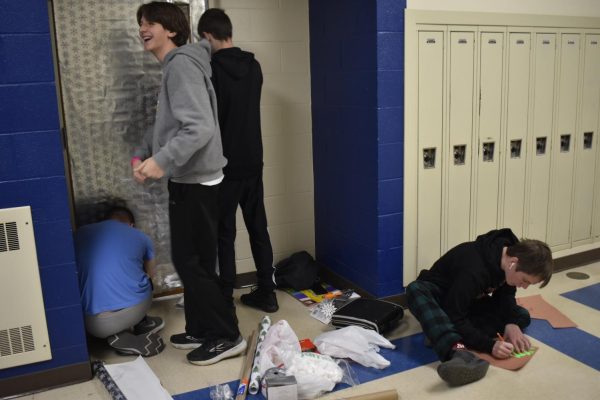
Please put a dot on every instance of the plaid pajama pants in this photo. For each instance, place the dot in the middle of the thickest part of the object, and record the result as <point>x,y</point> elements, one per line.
<point>424,299</point>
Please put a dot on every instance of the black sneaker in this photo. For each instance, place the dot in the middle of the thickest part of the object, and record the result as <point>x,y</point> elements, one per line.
<point>464,367</point>
<point>148,325</point>
<point>216,350</point>
<point>262,299</point>
<point>184,341</point>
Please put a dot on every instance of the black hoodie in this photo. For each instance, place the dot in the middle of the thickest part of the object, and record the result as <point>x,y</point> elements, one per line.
<point>466,274</point>
<point>237,79</point>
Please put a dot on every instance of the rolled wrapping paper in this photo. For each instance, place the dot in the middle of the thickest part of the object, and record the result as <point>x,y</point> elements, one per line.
<point>385,395</point>
<point>263,327</point>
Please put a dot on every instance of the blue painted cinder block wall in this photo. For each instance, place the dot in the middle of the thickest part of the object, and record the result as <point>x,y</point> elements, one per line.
<point>32,172</point>
<point>357,62</point>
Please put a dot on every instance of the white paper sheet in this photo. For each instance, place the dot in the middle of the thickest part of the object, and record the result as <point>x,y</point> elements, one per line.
<point>137,381</point>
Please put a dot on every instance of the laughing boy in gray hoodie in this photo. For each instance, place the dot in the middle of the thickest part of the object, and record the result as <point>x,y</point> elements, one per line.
<point>185,146</point>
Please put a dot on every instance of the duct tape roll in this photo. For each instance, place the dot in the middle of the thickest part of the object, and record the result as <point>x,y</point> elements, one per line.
<point>263,327</point>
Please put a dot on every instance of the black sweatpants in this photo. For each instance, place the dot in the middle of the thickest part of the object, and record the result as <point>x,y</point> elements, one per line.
<point>193,214</point>
<point>249,194</point>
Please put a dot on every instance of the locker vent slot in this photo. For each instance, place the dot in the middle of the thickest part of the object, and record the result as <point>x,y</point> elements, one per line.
<point>588,139</point>
<point>540,146</point>
<point>520,41</point>
<point>545,42</point>
<point>430,40</point>
<point>459,154</point>
<point>565,143</point>
<point>462,41</point>
<point>16,340</point>
<point>9,237</point>
<point>515,148</point>
<point>429,158</point>
<point>492,41</point>
<point>488,152</point>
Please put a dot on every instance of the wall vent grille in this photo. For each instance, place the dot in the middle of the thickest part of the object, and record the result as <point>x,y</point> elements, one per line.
<point>16,340</point>
<point>9,237</point>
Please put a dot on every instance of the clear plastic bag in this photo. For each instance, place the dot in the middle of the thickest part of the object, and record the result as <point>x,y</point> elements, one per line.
<point>221,392</point>
<point>356,343</point>
<point>315,374</point>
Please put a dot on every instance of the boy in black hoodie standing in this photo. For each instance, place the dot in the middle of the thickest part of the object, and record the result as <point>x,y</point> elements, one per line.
<point>237,79</point>
<point>467,299</point>
<point>185,146</point>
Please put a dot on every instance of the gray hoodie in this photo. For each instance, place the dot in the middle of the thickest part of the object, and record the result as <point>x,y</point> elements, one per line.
<point>185,138</point>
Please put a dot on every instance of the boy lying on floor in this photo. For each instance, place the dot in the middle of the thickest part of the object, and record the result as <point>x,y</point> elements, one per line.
<point>467,299</point>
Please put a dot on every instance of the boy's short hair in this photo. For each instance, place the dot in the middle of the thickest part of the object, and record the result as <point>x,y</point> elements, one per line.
<point>170,16</point>
<point>535,258</point>
<point>217,23</point>
<point>120,212</point>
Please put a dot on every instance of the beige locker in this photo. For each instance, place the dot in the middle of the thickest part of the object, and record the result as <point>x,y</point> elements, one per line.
<point>540,140</point>
<point>430,125</point>
<point>490,127</point>
<point>515,144</point>
<point>460,138</point>
<point>586,144</point>
<point>563,154</point>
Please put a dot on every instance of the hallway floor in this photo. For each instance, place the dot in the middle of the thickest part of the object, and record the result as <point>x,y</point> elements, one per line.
<point>567,364</point>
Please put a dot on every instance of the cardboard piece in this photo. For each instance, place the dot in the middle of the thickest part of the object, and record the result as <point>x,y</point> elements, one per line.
<point>385,395</point>
<point>538,308</point>
<point>512,363</point>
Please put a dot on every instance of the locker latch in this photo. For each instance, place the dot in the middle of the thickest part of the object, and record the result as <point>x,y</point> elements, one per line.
<point>515,148</point>
<point>460,151</point>
<point>540,146</point>
<point>488,151</point>
<point>429,158</point>
<point>565,143</point>
<point>587,139</point>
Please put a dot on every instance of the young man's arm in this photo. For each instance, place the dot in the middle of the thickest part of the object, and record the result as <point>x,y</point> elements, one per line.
<point>516,321</point>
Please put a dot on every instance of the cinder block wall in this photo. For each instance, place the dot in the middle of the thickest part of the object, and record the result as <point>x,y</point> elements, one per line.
<point>32,174</point>
<point>357,62</point>
<point>276,31</point>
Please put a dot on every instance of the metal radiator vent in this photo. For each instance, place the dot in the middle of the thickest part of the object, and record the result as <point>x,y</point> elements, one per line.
<point>9,237</point>
<point>16,340</point>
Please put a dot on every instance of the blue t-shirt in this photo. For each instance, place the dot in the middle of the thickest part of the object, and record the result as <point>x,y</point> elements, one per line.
<point>110,259</point>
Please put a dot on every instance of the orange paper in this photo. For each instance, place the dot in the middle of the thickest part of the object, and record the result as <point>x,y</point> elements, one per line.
<point>539,309</point>
<point>512,363</point>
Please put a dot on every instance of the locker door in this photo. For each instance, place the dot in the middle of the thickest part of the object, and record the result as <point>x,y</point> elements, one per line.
<point>517,107</point>
<point>490,117</point>
<point>562,167</point>
<point>430,115</point>
<point>587,141</point>
<point>460,135</point>
<point>540,141</point>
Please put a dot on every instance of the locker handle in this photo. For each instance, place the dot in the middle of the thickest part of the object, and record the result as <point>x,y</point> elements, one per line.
<point>430,40</point>
<point>492,41</point>
<point>429,158</point>
<point>571,42</point>
<point>462,41</point>
<point>545,42</point>
<point>515,148</point>
<point>565,143</point>
<point>488,152</point>
<point>594,42</point>
<point>520,41</point>
<point>587,140</point>
<point>540,145</point>
<point>459,153</point>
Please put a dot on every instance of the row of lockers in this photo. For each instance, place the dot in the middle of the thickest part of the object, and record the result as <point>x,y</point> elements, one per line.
<point>507,135</point>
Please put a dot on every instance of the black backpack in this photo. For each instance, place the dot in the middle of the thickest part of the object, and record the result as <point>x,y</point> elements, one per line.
<point>299,271</point>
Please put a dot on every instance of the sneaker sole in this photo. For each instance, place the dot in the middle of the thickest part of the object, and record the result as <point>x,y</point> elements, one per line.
<point>457,374</point>
<point>234,351</point>
<point>187,346</point>
<point>148,346</point>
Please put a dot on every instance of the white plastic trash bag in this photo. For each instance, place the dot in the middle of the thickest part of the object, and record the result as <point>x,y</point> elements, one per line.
<point>356,343</point>
<point>278,347</point>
